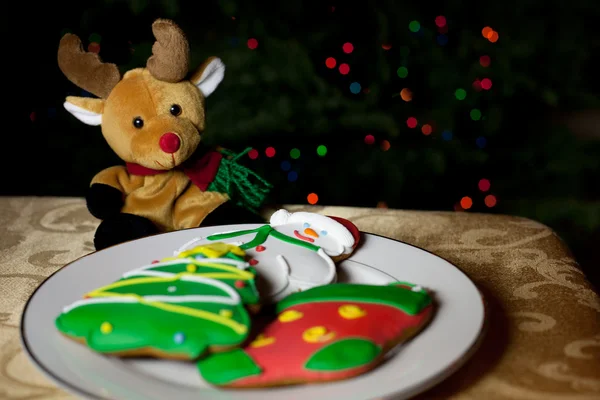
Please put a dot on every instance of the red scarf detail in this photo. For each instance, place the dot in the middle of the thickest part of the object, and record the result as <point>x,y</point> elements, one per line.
<point>201,171</point>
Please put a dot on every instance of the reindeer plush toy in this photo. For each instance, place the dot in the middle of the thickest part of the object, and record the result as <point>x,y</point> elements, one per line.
<point>153,118</point>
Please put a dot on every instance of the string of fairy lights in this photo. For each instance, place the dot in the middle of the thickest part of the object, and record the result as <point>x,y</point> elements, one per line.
<point>406,94</point>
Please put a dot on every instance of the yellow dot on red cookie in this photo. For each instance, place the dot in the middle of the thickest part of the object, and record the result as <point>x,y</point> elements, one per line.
<point>317,334</point>
<point>351,311</point>
<point>191,268</point>
<point>106,327</point>
<point>226,313</point>
<point>262,341</point>
<point>290,315</point>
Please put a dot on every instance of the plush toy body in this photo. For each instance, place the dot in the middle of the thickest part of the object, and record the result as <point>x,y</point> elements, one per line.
<point>153,119</point>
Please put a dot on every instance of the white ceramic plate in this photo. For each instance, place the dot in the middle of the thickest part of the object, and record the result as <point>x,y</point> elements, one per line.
<point>445,344</point>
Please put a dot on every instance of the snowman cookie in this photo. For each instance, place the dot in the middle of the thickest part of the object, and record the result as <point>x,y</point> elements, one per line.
<point>294,252</point>
<point>327,333</point>
<point>174,308</point>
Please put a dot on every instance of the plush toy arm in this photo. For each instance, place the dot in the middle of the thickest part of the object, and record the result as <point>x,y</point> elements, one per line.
<point>108,189</point>
<point>103,200</point>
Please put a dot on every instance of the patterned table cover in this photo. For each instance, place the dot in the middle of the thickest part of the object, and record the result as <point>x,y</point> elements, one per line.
<point>543,339</point>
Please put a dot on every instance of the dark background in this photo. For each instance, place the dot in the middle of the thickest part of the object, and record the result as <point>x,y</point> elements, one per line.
<point>529,142</point>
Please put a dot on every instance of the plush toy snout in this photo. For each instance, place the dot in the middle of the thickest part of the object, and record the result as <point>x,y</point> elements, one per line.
<point>164,142</point>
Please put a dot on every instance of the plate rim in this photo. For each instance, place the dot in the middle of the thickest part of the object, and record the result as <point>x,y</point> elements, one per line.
<point>69,387</point>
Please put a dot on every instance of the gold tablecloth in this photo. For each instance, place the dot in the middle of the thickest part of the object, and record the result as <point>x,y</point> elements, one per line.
<point>543,340</point>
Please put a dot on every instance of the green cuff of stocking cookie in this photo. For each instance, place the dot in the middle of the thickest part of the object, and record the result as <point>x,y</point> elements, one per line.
<point>225,368</point>
<point>344,354</point>
<point>410,302</point>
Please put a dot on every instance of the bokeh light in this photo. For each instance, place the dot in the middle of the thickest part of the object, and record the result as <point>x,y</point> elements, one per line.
<point>485,61</point>
<point>402,72</point>
<point>295,153</point>
<point>312,198</point>
<point>486,83</point>
<point>484,185</point>
<point>447,135</point>
<point>382,204</point>
<point>411,122</point>
<point>94,37</point>
<point>442,40</point>
<point>490,200</point>
<point>386,46</point>
<point>486,32</point>
<point>32,116</point>
<point>292,176</point>
<point>270,152</point>
<point>406,94</point>
<point>285,165</point>
<point>493,37</point>
<point>481,142</point>
<point>322,150</point>
<point>414,26</point>
<point>426,129</point>
<point>253,154</point>
<point>369,139</point>
<point>344,69</point>
<point>94,47</point>
<point>440,21</point>
<point>348,48</point>
<point>385,145</point>
<point>475,114</point>
<point>466,202</point>
<point>330,62</point>
<point>477,85</point>
<point>460,94</point>
<point>252,43</point>
<point>355,87</point>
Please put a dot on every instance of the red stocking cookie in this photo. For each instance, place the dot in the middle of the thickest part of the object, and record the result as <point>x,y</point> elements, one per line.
<point>327,333</point>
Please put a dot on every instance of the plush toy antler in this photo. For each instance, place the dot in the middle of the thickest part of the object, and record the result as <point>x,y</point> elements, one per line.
<point>170,61</point>
<point>86,70</point>
<point>153,119</point>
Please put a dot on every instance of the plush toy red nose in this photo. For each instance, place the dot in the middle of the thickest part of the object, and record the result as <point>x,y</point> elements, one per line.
<point>169,142</point>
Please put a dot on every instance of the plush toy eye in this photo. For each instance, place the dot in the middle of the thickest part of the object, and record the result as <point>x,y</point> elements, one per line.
<point>138,122</point>
<point>175,109</point>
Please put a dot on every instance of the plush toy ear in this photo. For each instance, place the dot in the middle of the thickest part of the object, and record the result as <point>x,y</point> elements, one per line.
<point>87,110</point>
<point>208,75</point>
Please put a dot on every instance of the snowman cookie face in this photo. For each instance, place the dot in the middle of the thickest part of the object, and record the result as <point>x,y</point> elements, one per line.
<point>333,237</point>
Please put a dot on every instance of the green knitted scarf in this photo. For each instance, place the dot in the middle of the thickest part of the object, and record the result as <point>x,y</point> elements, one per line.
<point>244,187</point>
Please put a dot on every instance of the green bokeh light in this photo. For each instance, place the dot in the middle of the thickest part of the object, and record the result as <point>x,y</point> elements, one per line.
<point>321,150</point>
<point>295,154</point>
<point>414,26</point>
<point>475,114</point>
<point>460,94</point>
<point>402,72</point>
<point>95,38</point>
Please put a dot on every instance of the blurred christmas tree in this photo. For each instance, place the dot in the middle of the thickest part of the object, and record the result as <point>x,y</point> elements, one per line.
<point>402,104</point>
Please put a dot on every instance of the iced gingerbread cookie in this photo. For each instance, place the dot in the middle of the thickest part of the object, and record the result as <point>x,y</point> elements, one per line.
<point>327,333</point>
<point>176,308</point>
<point>294,252</point>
